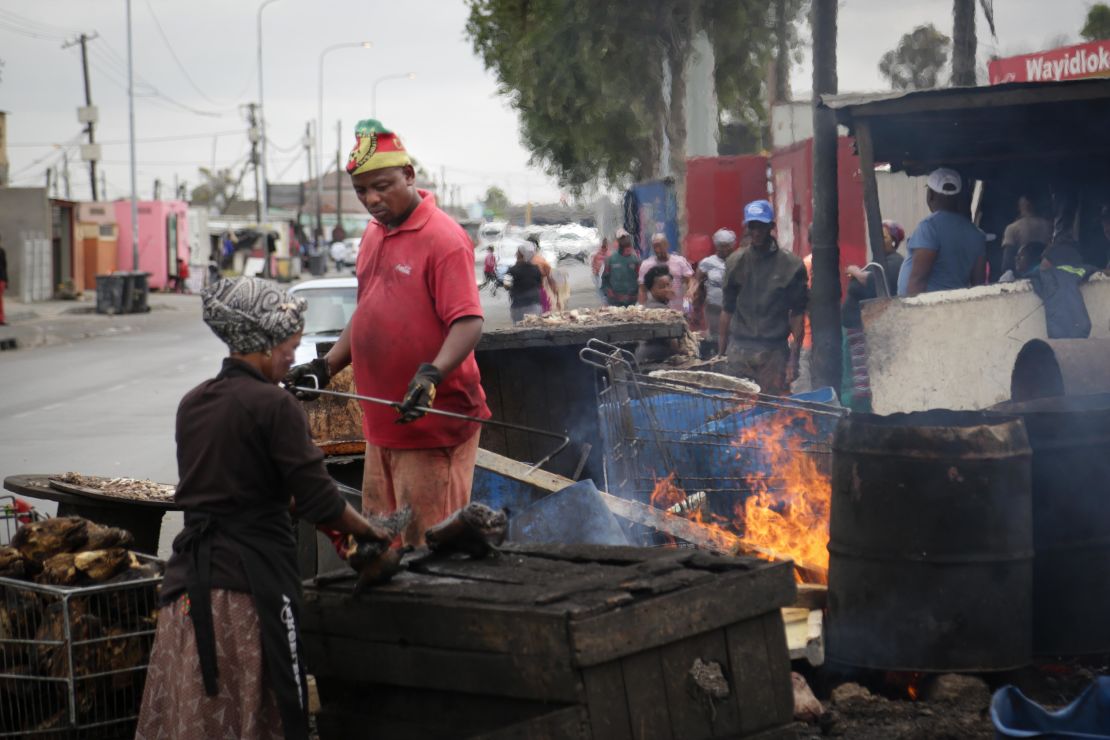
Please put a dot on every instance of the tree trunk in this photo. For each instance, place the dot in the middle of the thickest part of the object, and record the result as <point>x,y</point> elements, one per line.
<point>678,41</point>
<point>780,70</point>
<point>824,306</point>
<point>963,43</point>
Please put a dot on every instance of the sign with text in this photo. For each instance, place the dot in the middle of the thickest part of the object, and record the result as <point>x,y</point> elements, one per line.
<point>1066,63</point>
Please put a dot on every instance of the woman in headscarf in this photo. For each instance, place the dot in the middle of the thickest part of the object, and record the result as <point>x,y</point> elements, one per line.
<point>226,660</point>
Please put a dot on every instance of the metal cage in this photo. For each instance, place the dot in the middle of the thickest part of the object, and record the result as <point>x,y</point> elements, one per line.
<point>74,659</point>
<point>706,440</point>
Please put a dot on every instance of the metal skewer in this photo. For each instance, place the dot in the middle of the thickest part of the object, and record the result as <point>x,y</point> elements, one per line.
<point>564,440</point>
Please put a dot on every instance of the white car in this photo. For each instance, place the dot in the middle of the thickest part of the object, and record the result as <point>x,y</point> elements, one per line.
<point>331,303</point>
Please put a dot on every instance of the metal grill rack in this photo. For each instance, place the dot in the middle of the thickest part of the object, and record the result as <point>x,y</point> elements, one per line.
<point>74,659</point>
<point>710,440</point>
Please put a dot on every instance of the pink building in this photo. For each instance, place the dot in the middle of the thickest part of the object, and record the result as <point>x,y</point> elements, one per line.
<point>163,237</point>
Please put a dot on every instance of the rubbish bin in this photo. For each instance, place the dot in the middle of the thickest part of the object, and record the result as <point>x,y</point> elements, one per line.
<point>318,263</point>
<point>284,269</point>
<point>135,292</point>
<point>110,291</point>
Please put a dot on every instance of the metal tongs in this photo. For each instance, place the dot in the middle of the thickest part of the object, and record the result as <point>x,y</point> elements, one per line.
<point>564,440</point>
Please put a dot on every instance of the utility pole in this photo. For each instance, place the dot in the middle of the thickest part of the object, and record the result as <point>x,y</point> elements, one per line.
<point>103,185</point>
<point>339,174</point>
<point>131,145</point>
<point>255,136</point>
<point>83,40</point>
<point>65,173</point>
<point>824,305</point>
<point>308,161</point>
<point>157,189</point>
<point>318,236</point>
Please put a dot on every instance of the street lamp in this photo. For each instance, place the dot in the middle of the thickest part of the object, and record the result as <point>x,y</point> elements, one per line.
<point>374,89</point>
<point>320,127</point>
<point>263,196</point>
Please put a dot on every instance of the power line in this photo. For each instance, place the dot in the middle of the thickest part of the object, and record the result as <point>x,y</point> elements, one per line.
<point>145,140</point>
<point>177,60</point>
<point>33,24</point>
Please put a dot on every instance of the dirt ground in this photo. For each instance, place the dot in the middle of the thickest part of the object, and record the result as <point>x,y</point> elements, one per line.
<point>949,707</point>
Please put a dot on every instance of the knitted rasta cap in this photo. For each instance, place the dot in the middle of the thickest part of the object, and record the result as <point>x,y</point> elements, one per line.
<point>375,147</point>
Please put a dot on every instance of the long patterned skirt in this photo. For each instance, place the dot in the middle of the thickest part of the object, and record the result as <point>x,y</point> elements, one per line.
<point>174,702</point>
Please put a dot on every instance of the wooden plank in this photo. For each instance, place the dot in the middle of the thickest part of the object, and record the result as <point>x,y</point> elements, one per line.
<point>578,335</point>
<point>645,692</point>
<point>542,479</point>
<point>872,212</point>
<point>439,623</point>
<point>568,723</point>
<point>692,712</point>
<point>728,598</point>
<point>547,677</point>
<point>811,596</point>
<point>610,554</point>
<point>761,672</point>
<point>605,699</point>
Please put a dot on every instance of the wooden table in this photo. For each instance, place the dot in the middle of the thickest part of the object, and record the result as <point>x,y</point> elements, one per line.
<point>533,376</point>
<point>554,641</point>
<point>143,519</point>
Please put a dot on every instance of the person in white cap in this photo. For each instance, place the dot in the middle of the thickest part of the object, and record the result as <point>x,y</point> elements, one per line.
<point>946,250</point>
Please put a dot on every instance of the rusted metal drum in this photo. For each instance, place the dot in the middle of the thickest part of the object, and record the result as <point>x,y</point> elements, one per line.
<point>931,542</point>
<point>1070,438</point>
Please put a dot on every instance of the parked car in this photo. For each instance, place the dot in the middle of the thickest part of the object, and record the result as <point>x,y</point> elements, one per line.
<point>331,303</point>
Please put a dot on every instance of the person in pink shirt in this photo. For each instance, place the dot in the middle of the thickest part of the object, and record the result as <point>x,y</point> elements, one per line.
<point>682,274</point>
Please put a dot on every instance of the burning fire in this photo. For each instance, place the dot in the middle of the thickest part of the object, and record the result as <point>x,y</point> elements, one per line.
<point>788,508</point>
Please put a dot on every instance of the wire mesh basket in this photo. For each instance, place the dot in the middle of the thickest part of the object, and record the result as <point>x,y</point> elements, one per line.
<point>73,660</point>
<point>664,433</point>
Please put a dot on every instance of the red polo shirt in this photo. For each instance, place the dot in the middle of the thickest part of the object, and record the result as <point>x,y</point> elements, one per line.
<point>413,283</point>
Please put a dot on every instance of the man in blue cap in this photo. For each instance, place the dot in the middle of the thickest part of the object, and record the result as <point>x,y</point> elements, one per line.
<point>764,299</point>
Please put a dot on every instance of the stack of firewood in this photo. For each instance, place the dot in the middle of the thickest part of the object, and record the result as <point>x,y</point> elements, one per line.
<point>89,645</point>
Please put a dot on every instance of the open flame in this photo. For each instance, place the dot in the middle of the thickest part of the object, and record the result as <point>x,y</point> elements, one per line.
<point>787,510</point>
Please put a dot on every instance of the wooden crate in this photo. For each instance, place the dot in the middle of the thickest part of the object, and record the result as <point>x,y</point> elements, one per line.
<point>553,642</point>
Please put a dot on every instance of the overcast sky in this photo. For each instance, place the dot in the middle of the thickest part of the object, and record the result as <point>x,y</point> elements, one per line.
<point>193,87</point>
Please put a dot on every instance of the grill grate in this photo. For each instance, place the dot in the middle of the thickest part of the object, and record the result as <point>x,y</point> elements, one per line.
<point>710,440</point>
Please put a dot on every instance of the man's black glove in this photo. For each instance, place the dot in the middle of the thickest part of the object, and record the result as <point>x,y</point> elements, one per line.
<point>421,392</point>
<point>314,373</point>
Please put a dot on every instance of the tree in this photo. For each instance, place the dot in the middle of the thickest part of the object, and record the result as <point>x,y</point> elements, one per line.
<point>218,188</point>
<point>586,77</point>
<point>496,201</point>
<point>916,62</point>
<point>1097,26</point>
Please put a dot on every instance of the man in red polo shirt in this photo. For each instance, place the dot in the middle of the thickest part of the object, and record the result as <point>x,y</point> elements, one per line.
<point>411,337</point>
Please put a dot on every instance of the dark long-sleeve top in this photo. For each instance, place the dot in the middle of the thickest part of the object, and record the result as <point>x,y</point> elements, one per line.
<point>762,290</point>
<point>243,444</point>
<point>3,266</point>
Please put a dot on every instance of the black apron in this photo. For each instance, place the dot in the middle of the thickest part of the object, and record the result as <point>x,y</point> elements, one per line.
<point>265,543</point>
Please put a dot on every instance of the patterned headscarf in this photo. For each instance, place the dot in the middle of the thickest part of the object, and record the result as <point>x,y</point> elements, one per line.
<point>251,314</point>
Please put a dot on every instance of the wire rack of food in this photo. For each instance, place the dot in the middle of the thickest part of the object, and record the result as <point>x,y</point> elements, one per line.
<point>77,621</point>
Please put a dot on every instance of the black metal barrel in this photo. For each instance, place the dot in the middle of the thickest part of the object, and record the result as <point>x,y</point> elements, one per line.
<point>931,542</point>
<point>1070,437</point>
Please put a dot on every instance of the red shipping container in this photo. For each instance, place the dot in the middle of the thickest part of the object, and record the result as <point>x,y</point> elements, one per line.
<point>716,190</point>
<point>792,176</point>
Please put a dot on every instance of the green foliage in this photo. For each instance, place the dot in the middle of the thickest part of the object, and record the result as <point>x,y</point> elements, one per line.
<point>496,201</point>
<point>1097,26</point>
<point>217,188</point>
<point>916,63</point>
<point>586,77</point>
